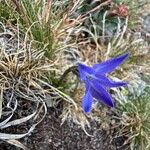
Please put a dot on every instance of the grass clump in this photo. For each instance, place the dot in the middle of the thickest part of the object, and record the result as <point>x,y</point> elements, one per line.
<point>21,69</point>
<point>134,121</point>
<point>25,79</point>
<point>34,17</point>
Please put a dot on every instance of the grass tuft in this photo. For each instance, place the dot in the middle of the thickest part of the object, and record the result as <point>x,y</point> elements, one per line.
<point>134,121</point>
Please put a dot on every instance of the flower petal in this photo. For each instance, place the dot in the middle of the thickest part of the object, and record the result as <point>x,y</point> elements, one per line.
<point>100,93</point>
<point>84,70</point>
<point>109,83</point>
<point>110,65</point>
<point>87,101</point>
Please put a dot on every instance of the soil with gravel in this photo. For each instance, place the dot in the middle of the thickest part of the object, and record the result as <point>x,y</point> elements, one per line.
<point>51,135</point>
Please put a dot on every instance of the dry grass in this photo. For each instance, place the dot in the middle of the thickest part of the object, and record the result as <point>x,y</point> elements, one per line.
<point>25,75</point>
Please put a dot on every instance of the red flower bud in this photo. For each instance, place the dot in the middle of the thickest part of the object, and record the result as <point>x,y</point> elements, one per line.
<point>122,10</point>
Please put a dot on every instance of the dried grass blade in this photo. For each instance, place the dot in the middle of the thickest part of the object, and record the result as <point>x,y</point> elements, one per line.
<point>18,121</point>
<point>1,101</point>
<point>17,143</point>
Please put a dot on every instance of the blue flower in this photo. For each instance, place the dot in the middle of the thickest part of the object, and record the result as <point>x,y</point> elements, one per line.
<point>97,83</point>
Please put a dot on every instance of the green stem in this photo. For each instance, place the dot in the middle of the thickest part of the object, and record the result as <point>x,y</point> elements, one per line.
<point>72,69</point>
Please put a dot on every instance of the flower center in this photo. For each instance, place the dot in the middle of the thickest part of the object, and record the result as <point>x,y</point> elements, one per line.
<point>89,77</point>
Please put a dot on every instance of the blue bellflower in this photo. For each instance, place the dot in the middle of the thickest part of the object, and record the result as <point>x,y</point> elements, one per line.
<point>96,81</point>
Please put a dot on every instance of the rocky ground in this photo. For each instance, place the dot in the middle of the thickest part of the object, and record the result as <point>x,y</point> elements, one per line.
<point>51,135</point>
